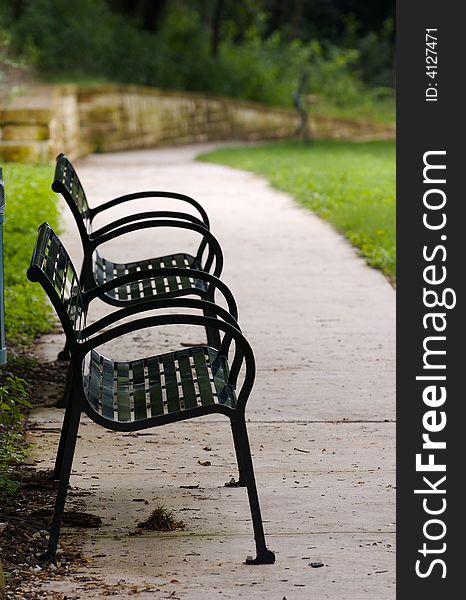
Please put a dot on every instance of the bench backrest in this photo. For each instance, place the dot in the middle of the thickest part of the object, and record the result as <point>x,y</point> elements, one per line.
<point>51,266</point>
<point>66,182</point>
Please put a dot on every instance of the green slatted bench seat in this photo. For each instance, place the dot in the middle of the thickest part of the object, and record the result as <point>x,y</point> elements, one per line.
<point>148,392</point>
<point>107,271</point>
<point>159,385</point>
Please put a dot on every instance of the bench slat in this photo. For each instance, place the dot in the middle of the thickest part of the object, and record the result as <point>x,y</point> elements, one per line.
<point>61,268</point>
<point>120,271</point>
<point>159,284</point>
<point>147,290</point>
<point>171,385</point>
<point>124,410</point>
<point>107,388</point>
<point>155,387</point>
<point>134,292</point>
<point>186,373</point>
<point>203,378</point>
<point>172,284</point>
<point>183,263</point>
<point>139,390</point>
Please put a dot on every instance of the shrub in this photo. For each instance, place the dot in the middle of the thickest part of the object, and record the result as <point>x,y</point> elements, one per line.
<point>87,41</point>
<point>75,36</point>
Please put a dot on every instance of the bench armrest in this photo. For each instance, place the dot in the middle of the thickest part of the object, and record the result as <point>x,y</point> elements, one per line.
<point>151,194</point>
<point>243,352</point>
<point>214,283</point>
<point>156,304</point>
<point>144,216</point>
<point>215,252</point>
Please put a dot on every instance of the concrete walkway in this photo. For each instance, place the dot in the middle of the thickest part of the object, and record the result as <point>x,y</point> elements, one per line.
<point>322,325</point>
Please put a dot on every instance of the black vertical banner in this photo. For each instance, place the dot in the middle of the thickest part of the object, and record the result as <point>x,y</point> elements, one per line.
<point>431,256</point>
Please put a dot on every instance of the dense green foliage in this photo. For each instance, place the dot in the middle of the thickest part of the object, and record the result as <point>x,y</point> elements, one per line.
<point>244,48</point>
<point>29,202</point>
<point>350,184</point>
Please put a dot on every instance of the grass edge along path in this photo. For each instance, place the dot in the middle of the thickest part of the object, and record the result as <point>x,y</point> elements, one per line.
<point>29,202</point>
<point>350,184</point>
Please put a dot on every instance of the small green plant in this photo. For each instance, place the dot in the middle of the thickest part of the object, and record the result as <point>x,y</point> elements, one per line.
<point>13,402</point>
<point>162,519</point>
<point>14,406</point>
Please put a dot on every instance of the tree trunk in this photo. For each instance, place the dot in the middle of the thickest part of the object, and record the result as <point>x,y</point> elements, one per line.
<point>296,22</point>
<point>18,9</point>
<point>216,24</point>
<point>152,12</point>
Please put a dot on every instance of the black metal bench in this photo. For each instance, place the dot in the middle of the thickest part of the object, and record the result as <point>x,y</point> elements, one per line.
<point>98,270</point>
<point>137,394</point>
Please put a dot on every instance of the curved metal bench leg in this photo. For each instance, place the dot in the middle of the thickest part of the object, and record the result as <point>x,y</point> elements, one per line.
<point>241,481</point>
<point>264,555</point>
<point>64,433</point>
<point>69,446</point>
<point>63,402</point>
<point>65,353</point>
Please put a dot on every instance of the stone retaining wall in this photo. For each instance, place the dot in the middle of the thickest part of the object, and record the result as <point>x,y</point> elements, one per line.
<point>78,120</point>
<point>122,117</point>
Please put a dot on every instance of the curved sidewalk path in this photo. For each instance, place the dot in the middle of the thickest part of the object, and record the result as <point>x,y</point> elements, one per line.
<point>322,325</point>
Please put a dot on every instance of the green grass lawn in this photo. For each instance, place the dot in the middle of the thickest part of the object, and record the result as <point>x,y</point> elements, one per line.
<point>351,184</point>
<point>29,202</point>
